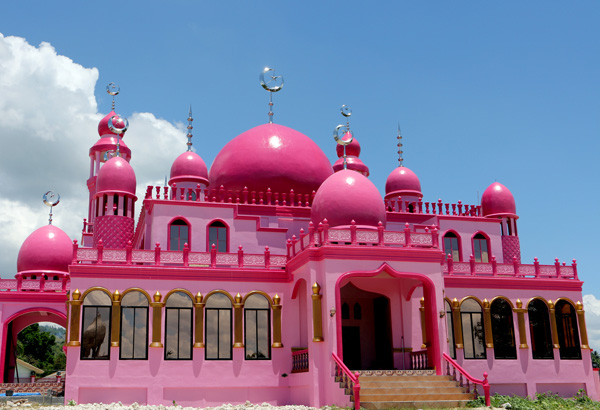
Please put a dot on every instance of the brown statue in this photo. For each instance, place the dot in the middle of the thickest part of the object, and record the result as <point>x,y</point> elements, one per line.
<point>93,336</point>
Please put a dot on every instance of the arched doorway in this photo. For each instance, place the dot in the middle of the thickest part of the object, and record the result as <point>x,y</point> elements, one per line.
<point>390,324</point>
<point>14,325</point>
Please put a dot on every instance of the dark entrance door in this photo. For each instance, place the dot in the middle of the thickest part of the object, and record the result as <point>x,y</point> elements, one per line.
<point>384,359</point>
<point>351,337</point>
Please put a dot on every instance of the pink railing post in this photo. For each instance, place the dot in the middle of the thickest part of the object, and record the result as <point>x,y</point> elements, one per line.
<point>516,265</point>
<point>157,192</point>
<point>294,241</point>
<point>174,191</point>
<point>311,234</point>
<point>75,247</point>
<point>292,198</point>
<point>241,256</point>
<point>213,256</point>
<point>472,264</point>
<point>267,257</point>
<point>486,389</point>
<point>100,251</point>
<point>575,270</point>
<point>325,239</point>
<point>494,266</point>
<point>148,193</point>
<point>128,252</point>
<point>186,255</point>
<point>353,232</point>
<point>356,392</point>
<point>157,254</point>
<point>536,267</point>
<point>406,234</point>
<point>557,266</point>
<point>198,192</point>
<point>435,240</point>
<point>302,235</point>
<point>166,192</point>
<point>289,248</point>
<point>380,233</point>
<point>450,263</point>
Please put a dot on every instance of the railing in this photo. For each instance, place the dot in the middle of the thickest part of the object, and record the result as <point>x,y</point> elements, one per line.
<point>419,360</point>
<point>469,379</point>
<point>299,360</point>
<point>24,282</point>
<point>347,380</point>
<point>432,208</point>
<point>353,235</point>
<point>223,195</point>
<point>514,269</point>
<point>185,258</point>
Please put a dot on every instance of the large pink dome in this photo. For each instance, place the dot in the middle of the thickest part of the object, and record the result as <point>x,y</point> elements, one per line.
<point>497,200</point>
<point>402,181</point>
<point>46,249</point>
<point>348,196</point>
<point>103,125</point>
<point>116,176</point>
<point>189,167</point>
<point>270,156</point>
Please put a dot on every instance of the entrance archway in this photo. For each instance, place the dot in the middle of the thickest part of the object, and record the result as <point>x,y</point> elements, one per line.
<point>390,312</point>
<point>11,328</point>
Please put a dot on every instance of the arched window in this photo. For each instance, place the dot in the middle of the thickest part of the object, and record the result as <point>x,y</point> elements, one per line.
<point>503,330</point>
<point>178,235</point>
<point>178,327</point>
<point>568,333</point>
<point>539,330</point>
<point>95,335</point>
<point>345,311</point>
<point>218,325</point>
<point>357,311</point>
<point>134,326</point>
<point>480,248</point>
<point>451,246</point>
<point>450,330</point>
<point>217,235</point>
<point>257,328</point>
<point>472,327</point>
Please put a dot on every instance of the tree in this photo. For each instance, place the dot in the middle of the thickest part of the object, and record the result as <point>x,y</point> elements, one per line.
<point>40,349</point>
<point>595,359</point>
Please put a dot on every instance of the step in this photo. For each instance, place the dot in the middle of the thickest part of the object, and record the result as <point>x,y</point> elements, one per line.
<point>407,384</point>
<point>405,377</point>
<point>444,404</point>
<point>415,397</point>
<point>408,390</point>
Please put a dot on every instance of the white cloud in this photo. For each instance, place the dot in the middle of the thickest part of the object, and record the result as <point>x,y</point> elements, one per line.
<point>48,122</point>
<point>591,306</point>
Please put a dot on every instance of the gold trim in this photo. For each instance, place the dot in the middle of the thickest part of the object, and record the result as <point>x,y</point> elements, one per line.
<point>423,324</point>
<point>187,292</point>
<point>521,321</point>
<point>157,307</point>
<point>75,319</point>
<point>582,327</point>
<point>238,317</point>
<point>495,298</point>
<point>199,321</point>
<point>108,293</point>
<point>552,313</point>
<point>258,292</point>
<point>317,313</point>
<point>276,307</point>
<point>487,324</point>
<point>116,319</point>
<point>212,292</point>
<point>129,290</point>
<point>458,336</point>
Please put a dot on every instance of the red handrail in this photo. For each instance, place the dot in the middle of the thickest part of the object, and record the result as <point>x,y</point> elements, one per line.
<point>484,383</point>
<point>352,377</point>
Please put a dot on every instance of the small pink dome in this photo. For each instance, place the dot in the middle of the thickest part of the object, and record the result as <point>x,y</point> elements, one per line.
<point>352,163</point>
<point>402,181</point>
<point>346,196</point>
<point>189,167</point>
<point>270,156</point>
<point>497,200</point>
<point>103,125</point>
<point>351,149</point>
<point>116,175</point>
<point>109,143</point>
<point>46,249</point>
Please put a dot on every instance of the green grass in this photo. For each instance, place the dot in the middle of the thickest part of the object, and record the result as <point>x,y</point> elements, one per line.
<point>545,401</point>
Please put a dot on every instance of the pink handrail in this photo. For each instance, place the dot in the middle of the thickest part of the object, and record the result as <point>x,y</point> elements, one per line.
<point>347,375</point>
<point>484,383</point>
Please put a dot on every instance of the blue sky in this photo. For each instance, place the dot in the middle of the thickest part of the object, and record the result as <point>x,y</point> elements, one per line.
<point>504,91</point>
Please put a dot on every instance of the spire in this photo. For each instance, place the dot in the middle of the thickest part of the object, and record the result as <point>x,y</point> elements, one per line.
<point>400,152</point>
<point>51,199</point>
<point>116,123</point>
<point>272,85</point>
<point>346,112</point>
<point>189,128</point>
<point>113,89</point>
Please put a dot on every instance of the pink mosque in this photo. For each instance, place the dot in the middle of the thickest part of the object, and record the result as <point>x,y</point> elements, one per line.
<point>277,277</point>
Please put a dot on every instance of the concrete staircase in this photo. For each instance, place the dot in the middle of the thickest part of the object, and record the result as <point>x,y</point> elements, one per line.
<point>410,390</point>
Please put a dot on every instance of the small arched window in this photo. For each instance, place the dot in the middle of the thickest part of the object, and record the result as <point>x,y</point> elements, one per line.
<point>568,332</point>
<point>480,248</point>
<point>178,327</point>
<point>217,235</point>
<point>451,246</point>
<point>471,316</point>
<point>134,326</point>
<point>179,232</point>
<point>95,335</point>
<point>539,330</point>
<point>218,325</point>
<point>257,328</point>
<point>503,330</point>
<point>450,330</point>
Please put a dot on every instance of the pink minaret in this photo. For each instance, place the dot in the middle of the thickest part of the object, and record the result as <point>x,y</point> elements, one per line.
<point>498,202</point>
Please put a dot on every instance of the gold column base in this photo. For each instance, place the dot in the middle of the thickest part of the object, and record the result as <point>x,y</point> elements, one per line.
<point>114,344</point>
<point>489,345</point>
<point>556,346</point>
<point>318,339</point>
<point>199,345</point>
<point>460,346</point>
<point>238,344</point>
<point>277,345</point>
<point>524,346</point>
<point>423,346</point>
<point>156,344</point>
<point>585,347</point>
<point>73,344</point>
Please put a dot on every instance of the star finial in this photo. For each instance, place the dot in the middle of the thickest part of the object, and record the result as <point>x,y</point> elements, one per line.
<point>272,84</point>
